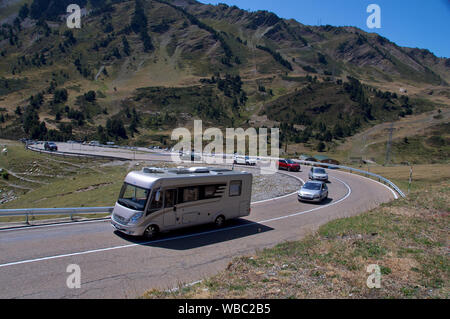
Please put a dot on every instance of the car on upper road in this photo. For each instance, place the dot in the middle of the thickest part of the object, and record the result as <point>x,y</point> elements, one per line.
<point>244,160</point>
<point>94,143</point>
<point>318,174</point>
<point>50,146</point>
<point>191,156</point>
<point>288,165</point>
<point>313,191</point>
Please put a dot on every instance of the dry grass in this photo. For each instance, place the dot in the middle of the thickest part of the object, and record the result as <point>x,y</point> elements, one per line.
<point>422,175</point>
<point>409,126</point>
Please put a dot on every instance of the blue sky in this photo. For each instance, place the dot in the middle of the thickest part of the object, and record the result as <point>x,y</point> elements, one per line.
<point>423,24</point>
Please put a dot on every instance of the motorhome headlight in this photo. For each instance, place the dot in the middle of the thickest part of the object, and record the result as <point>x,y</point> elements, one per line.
<point>135,218</point>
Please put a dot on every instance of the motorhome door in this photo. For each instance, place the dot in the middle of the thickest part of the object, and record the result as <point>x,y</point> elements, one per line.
<point>170,207</point>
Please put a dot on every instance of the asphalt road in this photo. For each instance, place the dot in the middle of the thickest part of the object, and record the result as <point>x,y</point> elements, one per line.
<point>34,261</point>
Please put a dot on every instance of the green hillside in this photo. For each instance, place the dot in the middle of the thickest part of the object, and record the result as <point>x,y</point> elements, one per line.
<point>140,67</point>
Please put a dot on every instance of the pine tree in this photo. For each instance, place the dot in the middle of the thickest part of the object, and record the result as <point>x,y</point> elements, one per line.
<point>321,147</point>
<point>24,11</point>
<point>126,46</point>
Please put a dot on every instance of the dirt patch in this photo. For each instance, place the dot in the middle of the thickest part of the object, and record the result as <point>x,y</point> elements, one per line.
<point>92,187</point>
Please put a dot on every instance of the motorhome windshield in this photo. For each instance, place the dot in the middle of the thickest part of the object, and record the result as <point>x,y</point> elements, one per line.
<point>133,197</point>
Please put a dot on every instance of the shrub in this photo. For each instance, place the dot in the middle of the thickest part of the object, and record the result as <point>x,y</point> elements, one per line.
<point>5,174</point>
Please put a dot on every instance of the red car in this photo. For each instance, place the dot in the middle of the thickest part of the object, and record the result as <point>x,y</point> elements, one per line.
<point>289,165</point>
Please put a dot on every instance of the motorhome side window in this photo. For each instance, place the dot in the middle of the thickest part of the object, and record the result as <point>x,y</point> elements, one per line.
<point>154,205</point>
<point>235,188</point>
<point>212,191</point>
<point>170,198</point>
<point>201,192</point>
<point>190,194</point>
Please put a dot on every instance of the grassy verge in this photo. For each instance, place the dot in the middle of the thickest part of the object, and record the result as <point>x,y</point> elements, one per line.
<point>42,180</point>
<point>422,175</point>
<point>407,239</point>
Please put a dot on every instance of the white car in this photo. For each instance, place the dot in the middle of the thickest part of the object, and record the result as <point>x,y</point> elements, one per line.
<point>313,191</point>
<point>244,160</point>
<point>94,143</point>
<point>318,174</point>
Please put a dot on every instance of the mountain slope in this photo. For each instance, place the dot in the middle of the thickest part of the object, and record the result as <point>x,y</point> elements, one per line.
<point>138,60</point>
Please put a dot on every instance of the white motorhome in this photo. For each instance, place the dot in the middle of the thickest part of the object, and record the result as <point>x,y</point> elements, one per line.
<point>154,199</point>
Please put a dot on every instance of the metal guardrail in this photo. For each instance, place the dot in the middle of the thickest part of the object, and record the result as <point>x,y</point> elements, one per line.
<point>70,212</point>
<point>352,169</point>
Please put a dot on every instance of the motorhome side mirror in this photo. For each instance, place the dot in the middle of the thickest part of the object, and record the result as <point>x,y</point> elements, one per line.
<point>158,196</point>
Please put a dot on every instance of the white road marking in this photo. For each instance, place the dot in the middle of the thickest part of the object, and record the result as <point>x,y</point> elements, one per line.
<point>181,237</point>
<point>370,179</point>
<point>273,219</point>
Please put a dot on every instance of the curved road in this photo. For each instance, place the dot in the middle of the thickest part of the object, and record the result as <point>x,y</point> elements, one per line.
<point>33,261</point>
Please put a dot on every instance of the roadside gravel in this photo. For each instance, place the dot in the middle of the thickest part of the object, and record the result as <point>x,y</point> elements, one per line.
<point>271,186</point>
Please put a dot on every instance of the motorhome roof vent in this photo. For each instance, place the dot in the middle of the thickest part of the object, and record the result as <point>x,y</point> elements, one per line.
<point>153,170</point>
<point>192,170</point>
<point>203,170</point>
<point>221,170</point>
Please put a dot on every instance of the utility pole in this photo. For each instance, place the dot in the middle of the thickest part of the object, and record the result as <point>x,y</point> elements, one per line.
<point>410,178</point>
<point>388,146</point>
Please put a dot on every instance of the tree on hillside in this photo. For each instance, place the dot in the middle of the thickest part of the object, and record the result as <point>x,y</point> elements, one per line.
<point>60,96</point>
<point>328,137</point>
<point>90,96</point>
<point>101,135</point>
<point>30,119</point>
<point>116,129</point>
<point>338,131</point>
<point>139,24</point>
<point>126,46</point>
<point>18,111</point>
<point>36,100</point>
<point>322,58</point>
<point>24,11</point>
<point>321,147</point>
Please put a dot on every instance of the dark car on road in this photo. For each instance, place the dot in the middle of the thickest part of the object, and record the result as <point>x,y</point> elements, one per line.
<point>50,146</point>
<point>288,165</point>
